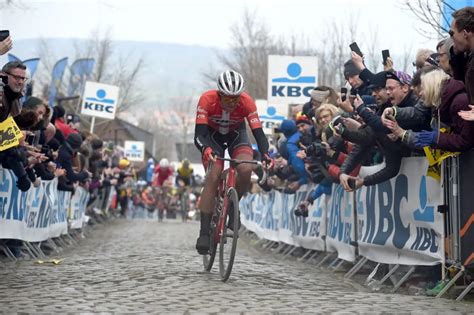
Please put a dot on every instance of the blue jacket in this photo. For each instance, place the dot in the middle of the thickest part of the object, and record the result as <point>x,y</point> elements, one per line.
<point>293,160</point>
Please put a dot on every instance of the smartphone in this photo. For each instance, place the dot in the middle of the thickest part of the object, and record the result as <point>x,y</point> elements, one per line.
<point>4,34</point>
<point>385,55</point>
<point>30,139</point>
<point>355,48</point>
<point>343,94</point>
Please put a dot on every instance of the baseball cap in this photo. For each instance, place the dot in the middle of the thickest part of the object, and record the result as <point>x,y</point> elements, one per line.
<point>378,80</point>
<point>400,76</point>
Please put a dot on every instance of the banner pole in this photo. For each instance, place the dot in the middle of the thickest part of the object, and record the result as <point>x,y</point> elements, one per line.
<point>92,124</point>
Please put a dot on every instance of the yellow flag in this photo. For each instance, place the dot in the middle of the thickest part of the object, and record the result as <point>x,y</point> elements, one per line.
<point>10,134</point>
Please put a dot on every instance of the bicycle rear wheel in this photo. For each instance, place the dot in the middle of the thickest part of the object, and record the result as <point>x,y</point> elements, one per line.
<point>227,249</point>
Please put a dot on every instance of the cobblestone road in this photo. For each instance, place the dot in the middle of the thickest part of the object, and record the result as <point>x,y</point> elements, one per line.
<point>144,266</point>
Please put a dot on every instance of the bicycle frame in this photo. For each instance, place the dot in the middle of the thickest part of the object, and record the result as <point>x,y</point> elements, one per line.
<point>227,180</point>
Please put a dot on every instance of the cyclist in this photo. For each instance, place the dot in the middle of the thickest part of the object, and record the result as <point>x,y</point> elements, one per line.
<point>162,172</point>
<point>220,125</point>
<point>185,173</point>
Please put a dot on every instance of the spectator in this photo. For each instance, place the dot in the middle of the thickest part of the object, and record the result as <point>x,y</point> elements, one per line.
<point>449,97</point>
<point>60,124</point>
<point>13,78</point>
<point>74,123</point>
<point>290,148</point>
<point>351,73</point>
<point>462,34</point>
<point>421,58</point>
<point>67,152</point>
<point>443,56</point>
<point>319,95</point>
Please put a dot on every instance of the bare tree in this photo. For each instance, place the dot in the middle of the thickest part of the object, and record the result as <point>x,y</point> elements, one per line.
<point>334,51</point>
<point>251,43</point>
<point>109,68</point>
<point>432,15</point>
<point>373,56</point>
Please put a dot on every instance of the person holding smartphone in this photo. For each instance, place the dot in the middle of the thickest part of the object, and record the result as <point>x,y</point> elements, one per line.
<point>6,42</point>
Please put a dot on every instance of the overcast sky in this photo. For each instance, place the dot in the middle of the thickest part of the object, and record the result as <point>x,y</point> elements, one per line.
<point>207,22</point>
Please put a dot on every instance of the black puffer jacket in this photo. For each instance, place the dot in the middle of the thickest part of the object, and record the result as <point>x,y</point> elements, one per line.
<point>366,138</point>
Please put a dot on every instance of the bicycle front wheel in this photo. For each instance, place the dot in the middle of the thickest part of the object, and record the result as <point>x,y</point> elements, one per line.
<point>228,241</point>
<point>208,259</point>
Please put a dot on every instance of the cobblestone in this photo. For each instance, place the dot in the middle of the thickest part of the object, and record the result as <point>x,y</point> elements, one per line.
<point>143,266</point>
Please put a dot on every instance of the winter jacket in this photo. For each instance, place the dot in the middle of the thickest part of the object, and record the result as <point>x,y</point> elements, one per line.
<point>10,103</point>
<point>64,160</point>
<point>463,69</point>
<point>296,163</point>
<point>461,132</point>
<point>366,138</point>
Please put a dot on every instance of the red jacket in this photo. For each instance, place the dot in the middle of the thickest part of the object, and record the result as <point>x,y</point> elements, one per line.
<point>64,128</point>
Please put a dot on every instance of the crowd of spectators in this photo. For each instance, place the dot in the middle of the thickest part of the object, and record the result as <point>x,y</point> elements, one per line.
<point>380,117</point>
<point>39,142</point>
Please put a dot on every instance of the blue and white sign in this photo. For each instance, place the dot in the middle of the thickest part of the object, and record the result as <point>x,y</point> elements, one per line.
<point>271,115</point>
<point>398,221</point>
<point>134,151</point>
<point>291,79</point>
<point>100,100</point>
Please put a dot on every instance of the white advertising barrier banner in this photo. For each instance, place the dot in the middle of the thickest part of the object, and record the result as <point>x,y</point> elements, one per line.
<point>398,221</point>
<point>23,215</point>
<point>271,216</point>
<point>78,208</point>
<point>57,216</point>
<point>341,224</point>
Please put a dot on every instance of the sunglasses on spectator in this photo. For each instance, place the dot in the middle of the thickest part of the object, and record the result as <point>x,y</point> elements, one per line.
<point>17,77</point>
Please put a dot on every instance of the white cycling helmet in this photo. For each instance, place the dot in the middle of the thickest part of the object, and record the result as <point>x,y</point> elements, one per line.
<point>164,163</point>
<point>230,83</point>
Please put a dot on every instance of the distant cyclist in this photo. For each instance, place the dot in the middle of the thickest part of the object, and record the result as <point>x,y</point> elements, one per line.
<point>220,125</point>
<point>162,172</point>
<point>185,173</point>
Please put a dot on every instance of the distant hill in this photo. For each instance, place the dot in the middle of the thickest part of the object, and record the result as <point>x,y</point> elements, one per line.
<point>172,70</point>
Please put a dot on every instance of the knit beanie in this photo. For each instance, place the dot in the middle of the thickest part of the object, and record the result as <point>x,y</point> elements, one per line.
<point>350,69</point>
<point>319,96</point>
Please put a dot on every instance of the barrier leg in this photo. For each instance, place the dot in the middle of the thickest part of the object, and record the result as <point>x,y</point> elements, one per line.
<point>356,268</point>
<point>38,249</point>
<point>403,279</point>
<point>465,292</point>
<point>328,255</point>
<point>51,244</point>
<point>389,273</point>
<point>286,250</point>
<point>307,254</point>
<point>450,284</point>
<point>333,263</point>
<point>267,244</point>
<point>338,265</point>
<point>32,250</point>
<point>279,248</point>
<point>8,252</point>
<point>313,256</point>
<point>290,251</point>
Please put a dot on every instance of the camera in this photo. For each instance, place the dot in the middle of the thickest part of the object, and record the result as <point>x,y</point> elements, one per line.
<point>316,149</point>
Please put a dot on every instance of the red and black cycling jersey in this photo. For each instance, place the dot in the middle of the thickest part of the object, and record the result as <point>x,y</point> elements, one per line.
<point>210,112</point>
<point>212,118</point>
